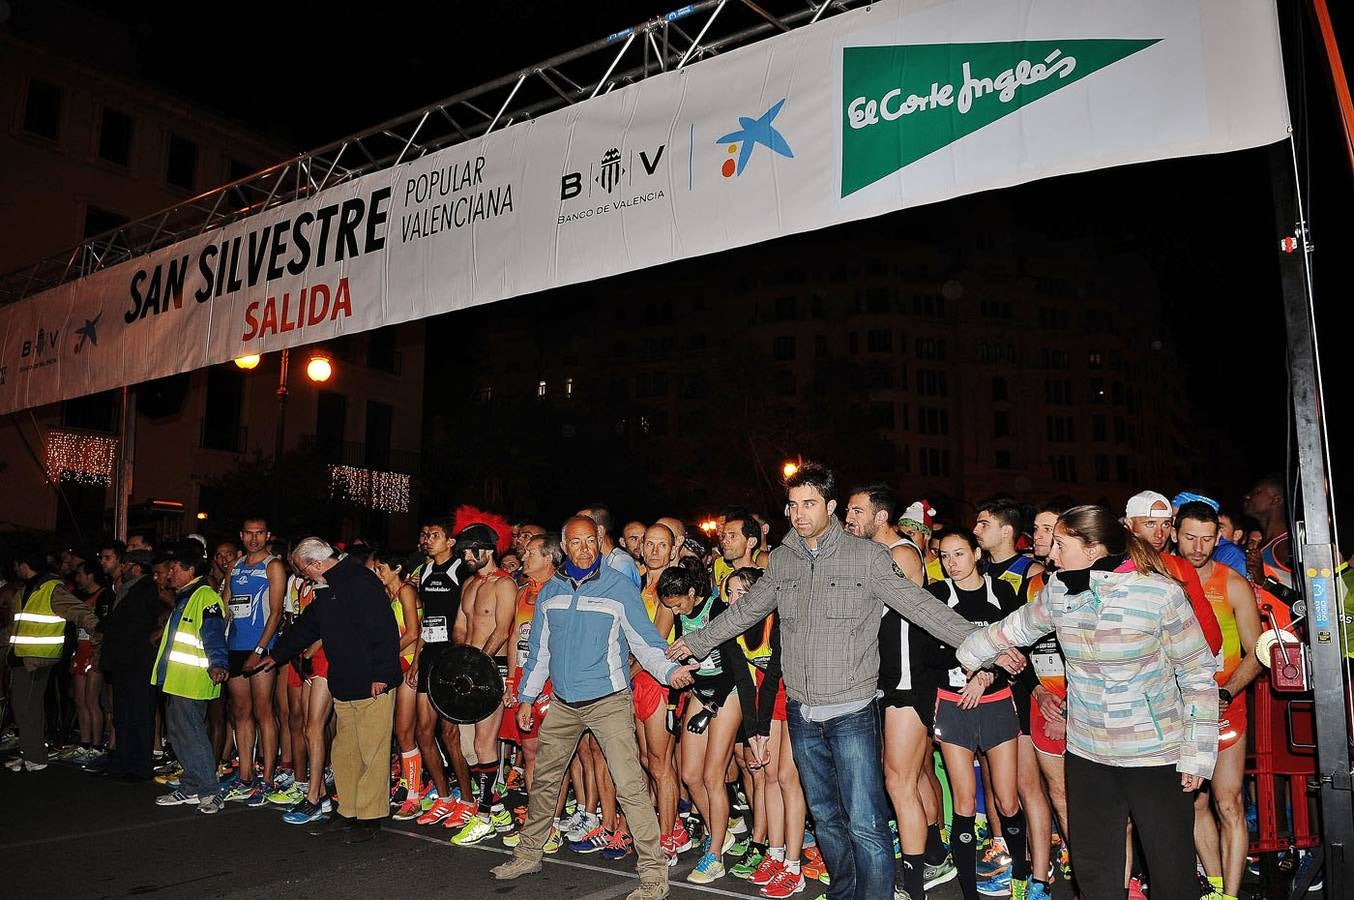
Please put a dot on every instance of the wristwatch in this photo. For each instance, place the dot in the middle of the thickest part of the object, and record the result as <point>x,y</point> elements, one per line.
<point>258,651</point>
<point>1225,696</point>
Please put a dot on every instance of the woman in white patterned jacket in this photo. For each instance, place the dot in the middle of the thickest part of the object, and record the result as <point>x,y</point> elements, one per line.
<point>1142,713</point>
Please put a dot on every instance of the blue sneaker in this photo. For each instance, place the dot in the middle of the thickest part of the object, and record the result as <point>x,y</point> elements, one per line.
<point>256,797</point>
<point>229,782</point>
<point>304,813</point>
<point>809,839</point>
<point>998,885</point>
<point>1038,891</point>
<point>240,791</point>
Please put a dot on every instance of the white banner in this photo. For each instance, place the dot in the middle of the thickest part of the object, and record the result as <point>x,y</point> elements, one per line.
<point>899,104</point>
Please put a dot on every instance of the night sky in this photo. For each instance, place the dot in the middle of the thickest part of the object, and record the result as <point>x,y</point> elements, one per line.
<point>308,75</point>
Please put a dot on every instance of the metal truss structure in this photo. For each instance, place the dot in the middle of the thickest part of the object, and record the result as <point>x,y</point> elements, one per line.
<point>661,44</point>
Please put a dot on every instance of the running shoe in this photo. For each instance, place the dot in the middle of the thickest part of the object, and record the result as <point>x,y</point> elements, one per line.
<point>516,781</point>
<point>620,846</point>
<point>586,824</point>
<point>681,839</point>
<point>809,839</point>
<point>475,830</point>
<point>553,841</point>
<point>18,763</point>
<point>240,791</point>
<point>665,847</point>
<point>739,846</point>
<point>571,820</point>
<point>170,776</point>
<point>900,894</point>
<point>784,884</point>
<point>1039,891</point>
<point>768,870</point>
<point>592,842</point>
<point>288,796</point>
<point>1020,888</point>
<point>229,783</point>
<point>210,806</point>
<point>996,885</point>
<point>1135,891</point>
<point>461,814</point>
<point>257,797</point>
<point>707,870</point>
<point>177,798</point>
<point>945,870</point>
<point>410,809</point>
<point>166,767</point>
<point>429,798</point>
<point>502,820</point>
<point>1064,858</point>
<point>439,810</point>
<point>304,813</point>
<point>283,779</point>
<point>812,865</point>
<point>748,863</point>
<point>994,860</point>
<point>737,825</point>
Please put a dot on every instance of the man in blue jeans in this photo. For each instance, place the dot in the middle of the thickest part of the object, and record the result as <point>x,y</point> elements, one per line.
<point>827,586</point>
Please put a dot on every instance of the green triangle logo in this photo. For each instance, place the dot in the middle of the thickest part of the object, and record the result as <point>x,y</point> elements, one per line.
<point>903,102</point>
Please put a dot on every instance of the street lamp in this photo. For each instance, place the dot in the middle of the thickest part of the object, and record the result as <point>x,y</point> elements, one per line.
<point>789,469</point>
<point>319,368</point>
<point>248,362</point>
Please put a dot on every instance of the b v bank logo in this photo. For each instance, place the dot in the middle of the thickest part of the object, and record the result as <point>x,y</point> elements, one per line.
<point>751,133</point>
<point>41,345</point>
<point>903,102</point>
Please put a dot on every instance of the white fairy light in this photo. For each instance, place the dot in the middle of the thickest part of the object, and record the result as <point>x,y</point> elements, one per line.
<point>83,458</point>
<point>381,491</point>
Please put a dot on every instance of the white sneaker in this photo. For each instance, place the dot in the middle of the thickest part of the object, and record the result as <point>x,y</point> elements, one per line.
<point>586,823</point>
<point>15,764</point>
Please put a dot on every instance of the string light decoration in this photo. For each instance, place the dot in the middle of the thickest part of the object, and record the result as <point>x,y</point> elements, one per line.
<point>382,491</point>
<point>82,458</point>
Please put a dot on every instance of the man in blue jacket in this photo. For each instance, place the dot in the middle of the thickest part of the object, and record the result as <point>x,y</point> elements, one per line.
<point>589,620</point>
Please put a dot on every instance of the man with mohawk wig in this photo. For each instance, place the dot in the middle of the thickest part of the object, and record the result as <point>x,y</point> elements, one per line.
<point>484,621</point>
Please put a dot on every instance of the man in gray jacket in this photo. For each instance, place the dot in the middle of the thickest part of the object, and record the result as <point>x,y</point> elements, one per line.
<point>827,587</point>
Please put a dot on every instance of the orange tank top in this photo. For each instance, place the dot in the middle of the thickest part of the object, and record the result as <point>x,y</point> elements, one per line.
<point>1215,589</point>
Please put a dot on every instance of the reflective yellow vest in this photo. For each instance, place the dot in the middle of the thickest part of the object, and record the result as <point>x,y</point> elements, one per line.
<point>182,658</point>
<point>37,630</point>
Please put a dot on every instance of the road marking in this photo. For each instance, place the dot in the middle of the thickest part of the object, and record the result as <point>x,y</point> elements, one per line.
<point>89,834</point>
<point>601,895</point>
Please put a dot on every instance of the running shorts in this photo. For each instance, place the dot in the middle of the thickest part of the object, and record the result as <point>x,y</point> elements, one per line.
<point>238,660</point>
<point>777,711</point>
<point>921,700</point>
<point>508,730</point>
<point>82,661</point>
<point>991,723</point>
<point>1042,742</point>
<point>1232,723</point>
<point>649,695</point>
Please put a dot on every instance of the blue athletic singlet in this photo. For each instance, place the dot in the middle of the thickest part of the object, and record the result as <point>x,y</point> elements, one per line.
<point>248,604</point>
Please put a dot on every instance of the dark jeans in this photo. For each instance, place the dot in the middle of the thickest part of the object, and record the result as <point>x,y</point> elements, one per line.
<point>1100,801</point>
<point>29,693</point>
<point>839,765</point>
<point>187,723</point>
<point>133,723</point>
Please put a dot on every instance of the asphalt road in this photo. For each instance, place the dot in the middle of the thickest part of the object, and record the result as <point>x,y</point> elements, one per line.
<point>68,835</point>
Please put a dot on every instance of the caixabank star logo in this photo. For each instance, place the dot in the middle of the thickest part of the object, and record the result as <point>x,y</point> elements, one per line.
<point>903,102</point>
<point>751,133</point>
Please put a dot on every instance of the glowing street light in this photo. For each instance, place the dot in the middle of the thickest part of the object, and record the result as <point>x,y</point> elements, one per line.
<point>789,469</point>
<point>319,369</point>
<point>248,362</point>
<point>709,526</point>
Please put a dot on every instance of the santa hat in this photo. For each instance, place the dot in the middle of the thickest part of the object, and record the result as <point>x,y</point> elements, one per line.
<point>919,515</point>
<point>477,527</point>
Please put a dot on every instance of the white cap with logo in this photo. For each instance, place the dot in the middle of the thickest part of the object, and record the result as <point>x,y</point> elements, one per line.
<point>1142,505</point>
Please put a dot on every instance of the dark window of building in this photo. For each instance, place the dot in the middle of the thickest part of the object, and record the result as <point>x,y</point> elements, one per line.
<point>1064,467</point>
<point>98,221</point>
<point>380,427</point>
<point>882,415</point>
<point>905,460</point>
<point>879,340</point>
<point>181,163</point>
<point>877,300</point>
<point>932,383</point>
<point>786,309</point>
<point>820,346</point>
<point>115,137</point>
<point>1121,469</point>
<point>1098,428</point>
<point>818,307</point>
<point>1002,459</point>
<point>930,348</point>
<point>225,397</point>
<point>1058,392</point>
<point>999,388</point>
<point>42,109</point>
<point>785,383</point>
<point>331,414</point>
<point>1094,360</point>
<point>783,348</point>
<point>1059,429</point>
<point>1097,390</point>
<point>1001,424</point>
<point>381,352</point>
<point>95,412</point>
<point>651,384</point>
<point>1055,359</point>
<point>853,343</point>
<point>1102,467</point>
<point>934,462</point>
<point>931,420</point>
<point>696,341</point>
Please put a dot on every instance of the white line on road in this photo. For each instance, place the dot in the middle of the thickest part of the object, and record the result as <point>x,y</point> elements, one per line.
<point>501,851</point>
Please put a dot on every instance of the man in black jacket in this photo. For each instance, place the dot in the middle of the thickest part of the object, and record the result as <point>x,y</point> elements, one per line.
<point>127,657</point>
<point>356,624</point>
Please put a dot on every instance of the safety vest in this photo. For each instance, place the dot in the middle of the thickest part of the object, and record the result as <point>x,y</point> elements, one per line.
<point>37,630</point>
<point>183,658</point>
<point>760,656</point>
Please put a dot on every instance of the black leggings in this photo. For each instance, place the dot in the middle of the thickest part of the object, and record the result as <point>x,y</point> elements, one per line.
<point>1100,801</point>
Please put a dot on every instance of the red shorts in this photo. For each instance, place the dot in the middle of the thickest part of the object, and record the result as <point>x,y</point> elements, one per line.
<point>82,661</point>
<point>1232,723</point>
<point>1042,742</point>
<point>649,695</point>
<point>507,729</point>
<point>316,667</point>
<point>777,711</point>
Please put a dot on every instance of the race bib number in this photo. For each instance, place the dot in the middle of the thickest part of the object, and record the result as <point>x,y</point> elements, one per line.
<point>1047,665</point>
<point>240,610</point>
<point>958,679</point>
<point>435,630</point>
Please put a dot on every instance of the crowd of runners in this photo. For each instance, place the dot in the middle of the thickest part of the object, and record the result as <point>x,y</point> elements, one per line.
<point>979,747</point>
